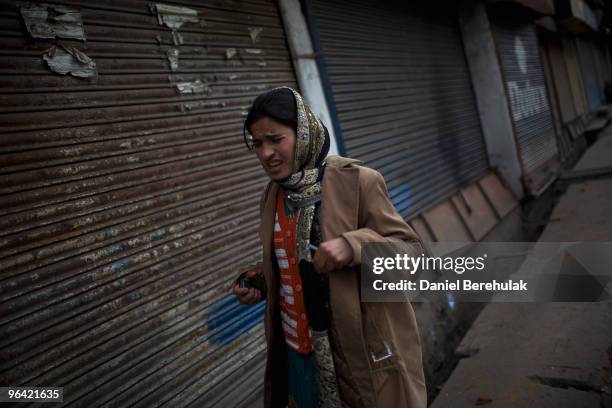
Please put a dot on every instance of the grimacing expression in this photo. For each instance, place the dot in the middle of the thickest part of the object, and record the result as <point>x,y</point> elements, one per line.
<point>274,145</point>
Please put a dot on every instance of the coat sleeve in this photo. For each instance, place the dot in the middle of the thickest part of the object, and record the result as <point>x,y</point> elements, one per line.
<point>379,221</point>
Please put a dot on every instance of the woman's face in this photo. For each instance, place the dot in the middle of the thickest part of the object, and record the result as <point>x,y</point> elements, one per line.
<point>274,145</point>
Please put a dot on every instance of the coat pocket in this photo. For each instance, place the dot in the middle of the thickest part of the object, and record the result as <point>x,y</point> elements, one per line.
<point>381,350</point>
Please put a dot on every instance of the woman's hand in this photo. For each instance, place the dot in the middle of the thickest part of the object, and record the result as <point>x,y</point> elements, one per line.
<point>247,296</point>
<point>331,255</point>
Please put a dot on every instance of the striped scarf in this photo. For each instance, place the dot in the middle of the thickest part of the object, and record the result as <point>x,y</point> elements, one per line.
<point>303,186</point>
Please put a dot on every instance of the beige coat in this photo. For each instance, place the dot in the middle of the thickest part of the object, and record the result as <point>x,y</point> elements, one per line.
<point>354,205</point>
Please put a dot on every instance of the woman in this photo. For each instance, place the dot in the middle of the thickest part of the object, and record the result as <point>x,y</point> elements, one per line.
<point>325,348</point>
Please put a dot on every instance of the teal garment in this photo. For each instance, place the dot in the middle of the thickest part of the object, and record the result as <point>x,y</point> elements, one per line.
<point>302,382</point>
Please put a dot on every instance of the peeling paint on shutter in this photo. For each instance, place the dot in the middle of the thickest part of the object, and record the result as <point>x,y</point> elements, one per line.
<point>129,203</point>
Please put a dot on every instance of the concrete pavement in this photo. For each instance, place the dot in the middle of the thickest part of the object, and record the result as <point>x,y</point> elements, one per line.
<point>546,354</point>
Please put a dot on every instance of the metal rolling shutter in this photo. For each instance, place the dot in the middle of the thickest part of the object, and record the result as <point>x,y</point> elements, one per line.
<point>517,46</point>
<point>561,79</point>
<point>603,72</point>
<point>606,62</point>
<point>587,56</point>
<point>560,94</point>
<point>570,55</point>
<point>129,203</point>
<point>603,75</point>
<point>404,97</point>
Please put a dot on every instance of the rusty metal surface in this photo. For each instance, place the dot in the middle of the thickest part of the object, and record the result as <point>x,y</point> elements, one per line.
<point>404,97</point>
<point>128,203</point>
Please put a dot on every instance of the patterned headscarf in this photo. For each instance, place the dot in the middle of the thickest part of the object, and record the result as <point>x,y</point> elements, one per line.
<point>303,186</point>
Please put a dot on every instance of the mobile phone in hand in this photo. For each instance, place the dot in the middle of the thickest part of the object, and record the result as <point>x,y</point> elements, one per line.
<point>244,283</point>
